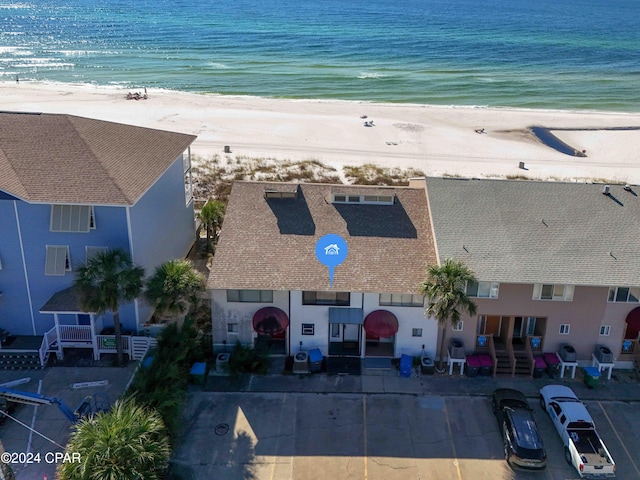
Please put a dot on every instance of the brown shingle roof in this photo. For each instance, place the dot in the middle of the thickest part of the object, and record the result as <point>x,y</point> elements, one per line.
<point>270,243</point>
<point>55,158</point>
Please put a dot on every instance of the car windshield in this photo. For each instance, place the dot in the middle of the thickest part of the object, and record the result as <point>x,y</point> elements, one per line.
<point>565,399</point>
<point>525,432</point>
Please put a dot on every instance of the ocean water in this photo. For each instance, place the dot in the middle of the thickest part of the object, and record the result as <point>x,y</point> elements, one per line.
<point>578,54</point>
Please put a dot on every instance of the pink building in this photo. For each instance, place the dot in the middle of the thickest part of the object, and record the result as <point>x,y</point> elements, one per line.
<point>557,263</point>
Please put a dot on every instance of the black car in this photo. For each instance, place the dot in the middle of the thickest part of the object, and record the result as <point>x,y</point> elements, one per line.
<point>522,443</point>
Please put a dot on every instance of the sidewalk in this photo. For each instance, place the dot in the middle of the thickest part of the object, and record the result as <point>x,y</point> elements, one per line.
<point>623,385</point>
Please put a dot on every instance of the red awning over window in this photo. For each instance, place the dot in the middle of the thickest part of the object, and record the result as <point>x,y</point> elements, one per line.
<point>381,323</point>
<point>270,321</point>
<point>633,324</point>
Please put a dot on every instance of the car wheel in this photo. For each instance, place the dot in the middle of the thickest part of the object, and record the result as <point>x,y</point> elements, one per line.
<point>567,456</point>
<point>543,405</point>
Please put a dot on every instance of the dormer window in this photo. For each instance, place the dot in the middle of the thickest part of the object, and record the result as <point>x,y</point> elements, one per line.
<point>285,191</point>
<point>363,199</point>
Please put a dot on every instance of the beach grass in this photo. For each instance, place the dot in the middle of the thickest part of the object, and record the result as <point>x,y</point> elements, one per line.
<point>214,176</point>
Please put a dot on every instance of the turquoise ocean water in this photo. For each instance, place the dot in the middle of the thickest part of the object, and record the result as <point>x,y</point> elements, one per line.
<point>556,54</point>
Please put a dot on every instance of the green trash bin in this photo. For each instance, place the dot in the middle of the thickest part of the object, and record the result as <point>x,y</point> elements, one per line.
<point>591,377</point>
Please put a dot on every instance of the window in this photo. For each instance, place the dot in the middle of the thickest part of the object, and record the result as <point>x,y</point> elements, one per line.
<point>483,289</point>
<point>564,329</point>
<point>458,326</point>
<point>553,292</point>
<point>326,298</point>
<point>188,179</point>
<point>93,251</point>
<point>308,328</point>
<point>71,218</point>
<point>335,330</point>
<point>366,199</point>
<point>401,300</point>
<point>232,328</point>
<point>605,330</point>
<point>624,294</point>
<point>57,260</point>
<point>277,194</point>
<point>416,332</point>
<point>250,296</point>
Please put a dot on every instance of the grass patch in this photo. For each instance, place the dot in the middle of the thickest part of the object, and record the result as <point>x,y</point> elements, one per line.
<point>370,174</point>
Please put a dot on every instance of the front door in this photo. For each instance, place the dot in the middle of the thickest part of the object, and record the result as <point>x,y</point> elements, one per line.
<point>344,339</point>
<point>351,333</point>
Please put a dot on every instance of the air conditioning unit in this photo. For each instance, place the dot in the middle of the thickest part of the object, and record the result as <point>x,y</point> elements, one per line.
<point>603,354</point>
<point>456,349</point>
<point>568,353</point>
<point>222,362</point>
<point>301,362</point>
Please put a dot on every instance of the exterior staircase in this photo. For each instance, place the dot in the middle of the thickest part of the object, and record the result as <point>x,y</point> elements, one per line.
<point>503,366</point>
<point>522,366</point>
<point>514,362</point>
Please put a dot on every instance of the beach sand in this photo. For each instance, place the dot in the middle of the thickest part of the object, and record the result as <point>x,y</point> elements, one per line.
<point>437,140</point>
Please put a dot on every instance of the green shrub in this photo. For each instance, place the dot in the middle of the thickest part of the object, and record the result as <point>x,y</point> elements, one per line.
<point>248,360</point>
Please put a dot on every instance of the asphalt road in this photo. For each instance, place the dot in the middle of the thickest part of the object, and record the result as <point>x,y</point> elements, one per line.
<point>282,436</point>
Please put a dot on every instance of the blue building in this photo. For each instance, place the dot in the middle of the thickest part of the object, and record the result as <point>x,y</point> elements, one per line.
<point>71,187</point>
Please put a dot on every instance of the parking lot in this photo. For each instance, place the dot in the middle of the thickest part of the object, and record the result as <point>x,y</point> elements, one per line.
<point>273,436</point>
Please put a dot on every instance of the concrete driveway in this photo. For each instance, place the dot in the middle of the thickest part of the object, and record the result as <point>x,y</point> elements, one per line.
<point>260,436</point>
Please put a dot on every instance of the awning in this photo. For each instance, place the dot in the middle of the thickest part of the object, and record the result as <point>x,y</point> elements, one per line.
<point>270,321</point>
<point>381,323</point>
<point>345,315</point>
<point>64,301</point>
<point>633,324</point>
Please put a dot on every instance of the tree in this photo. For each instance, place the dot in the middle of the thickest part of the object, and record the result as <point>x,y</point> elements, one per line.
<point>212,215</point>
<point>104,282</point>
<point>174,287</point>
<point>445,289</point>
<point>127,442</point>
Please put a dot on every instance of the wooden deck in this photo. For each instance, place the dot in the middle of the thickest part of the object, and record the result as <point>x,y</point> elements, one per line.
<point>22,343</point>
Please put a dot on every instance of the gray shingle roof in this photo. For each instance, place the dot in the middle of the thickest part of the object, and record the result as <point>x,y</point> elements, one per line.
<point>538,232</point>
<point>270,243</point>
<point>54,158</point>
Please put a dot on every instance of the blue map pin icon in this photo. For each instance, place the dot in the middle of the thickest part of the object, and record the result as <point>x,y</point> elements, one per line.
<point>331,250</point>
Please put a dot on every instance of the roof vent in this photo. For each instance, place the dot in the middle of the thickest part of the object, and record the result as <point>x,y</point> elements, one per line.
<point>605,190</point>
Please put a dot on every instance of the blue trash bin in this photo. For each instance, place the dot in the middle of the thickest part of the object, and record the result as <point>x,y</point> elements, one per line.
<point>406,364</point>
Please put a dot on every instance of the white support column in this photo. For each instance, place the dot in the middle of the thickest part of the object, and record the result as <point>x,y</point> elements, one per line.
<point>94,337</point>
<point>60,352</point>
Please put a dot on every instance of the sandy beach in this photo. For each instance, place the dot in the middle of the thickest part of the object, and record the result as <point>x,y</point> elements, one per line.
<point>436,140</point>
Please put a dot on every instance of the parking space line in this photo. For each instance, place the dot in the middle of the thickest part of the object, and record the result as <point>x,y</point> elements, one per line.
<point>453,446</point>
<point>620,439</point>
<point>364,427</point>
<point>275,457</point>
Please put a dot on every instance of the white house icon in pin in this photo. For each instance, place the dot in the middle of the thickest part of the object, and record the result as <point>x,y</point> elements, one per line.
<point>331,249</point>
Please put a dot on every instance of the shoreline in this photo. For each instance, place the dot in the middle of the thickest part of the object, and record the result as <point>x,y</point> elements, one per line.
<point>439,140</point>
<point>94,87</point>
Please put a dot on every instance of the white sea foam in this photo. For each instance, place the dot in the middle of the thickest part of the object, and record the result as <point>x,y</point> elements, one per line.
<point>364,75</point>
<point>220,66</point>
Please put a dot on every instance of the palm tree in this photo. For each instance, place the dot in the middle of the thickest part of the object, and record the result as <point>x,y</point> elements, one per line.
<point>445,289</point>
<point>212,215</point>
<point>106,280</point>
<point>174,287</point>
<point>127,442</point>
